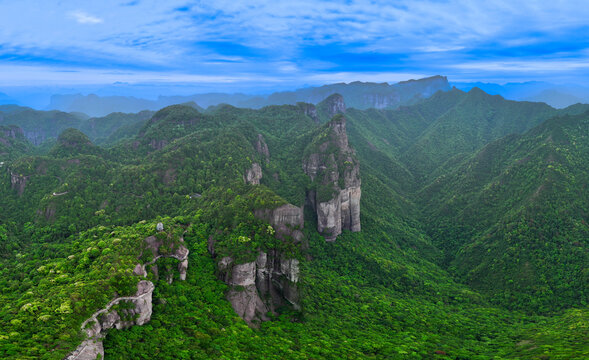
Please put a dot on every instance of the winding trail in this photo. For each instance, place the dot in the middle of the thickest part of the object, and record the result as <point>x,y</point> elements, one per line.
<point>92,345</point>
<point>150,288</point>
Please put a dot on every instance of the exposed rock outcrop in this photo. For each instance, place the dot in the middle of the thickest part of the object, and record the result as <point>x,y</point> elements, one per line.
<point>287,220</point>
<point>263,285</point>
<point>333,105</point>
<point>107,318</point>
<point>177,251</point>
<point>18,182</point>
<point>12,131</point>
<point>139,313</point>
<point>158,144</point>
<point>332,166</point>
<point>262,148</point>
<point>253,175</point>
<point>310,110</point>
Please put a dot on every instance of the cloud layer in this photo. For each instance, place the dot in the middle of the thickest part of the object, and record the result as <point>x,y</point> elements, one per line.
<point>294,43</point>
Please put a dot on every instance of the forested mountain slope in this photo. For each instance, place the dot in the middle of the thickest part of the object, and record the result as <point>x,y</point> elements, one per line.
<point>361,95</point>
<point>40,126</point>
<point>226,213</point>
<point>513,217</point>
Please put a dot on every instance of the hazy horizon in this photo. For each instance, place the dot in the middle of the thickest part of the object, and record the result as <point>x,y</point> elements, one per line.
<point>233,46</point>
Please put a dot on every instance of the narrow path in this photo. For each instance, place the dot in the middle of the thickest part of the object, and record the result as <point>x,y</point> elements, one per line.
<point>116,301</point>
<point>144,266</point>
<point>126,298</point>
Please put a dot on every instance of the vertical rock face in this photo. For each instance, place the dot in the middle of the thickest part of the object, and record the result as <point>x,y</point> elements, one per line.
<point>177,251</point>
<point>158,144</point>
<point>332,166</point>
<point>350,208</point>
<point>12,131</point>
<point>334,104</point>
<point>381,101</point>
<point>101,321</point>
<point>310,110</point>
<point>18,182</point>
<point>261,286</point>
<point>96,326</point>
<point>329,221</point>
<point>262,148</point>
<point>287,220</point>
<point>253,175</point>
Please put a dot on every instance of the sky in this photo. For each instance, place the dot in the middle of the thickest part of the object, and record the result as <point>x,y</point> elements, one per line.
<point>266,45</point>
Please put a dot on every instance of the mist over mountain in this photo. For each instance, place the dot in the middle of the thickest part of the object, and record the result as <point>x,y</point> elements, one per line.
<point>263,180</point>
<point>357,94</point>
<point>456,219</point>
<point>558,96</point>
<point>5,99</point>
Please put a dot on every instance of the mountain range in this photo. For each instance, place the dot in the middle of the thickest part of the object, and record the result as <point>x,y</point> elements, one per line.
<point>359,220</point>
<point>357,94</point>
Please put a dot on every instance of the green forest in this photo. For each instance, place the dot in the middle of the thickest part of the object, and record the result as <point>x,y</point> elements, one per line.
<point>474,240</point>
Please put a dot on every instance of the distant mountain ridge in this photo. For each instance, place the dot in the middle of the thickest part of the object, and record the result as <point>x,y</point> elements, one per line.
<point>473,238</point>
<point>558,96</point>
<point>360,95</point>
<point>39,126</point>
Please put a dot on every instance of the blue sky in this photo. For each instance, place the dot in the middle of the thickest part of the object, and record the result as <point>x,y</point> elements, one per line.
<point>287,44</point>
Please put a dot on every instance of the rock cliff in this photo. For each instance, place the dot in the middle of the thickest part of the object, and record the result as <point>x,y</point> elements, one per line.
<point>335,174</point>
<point>269,282</point>
<point>261,286</point>
<point>107,318</point>
<point>18,182</point>
<point>332,105</point>
<point>287,220</point>
<point>11,131</point>
<point>253,175</point>
<point>310,110</point>
<point>262,148</point>
<point>138,308</point>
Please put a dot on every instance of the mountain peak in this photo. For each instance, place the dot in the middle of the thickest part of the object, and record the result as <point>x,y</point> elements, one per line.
<point>73,142</point>
<point>333,105</point>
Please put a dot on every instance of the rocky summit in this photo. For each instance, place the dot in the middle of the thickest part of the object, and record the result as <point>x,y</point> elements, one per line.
<point>435,223</point>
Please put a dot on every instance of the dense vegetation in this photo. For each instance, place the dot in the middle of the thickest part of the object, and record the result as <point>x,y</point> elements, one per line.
<point>42,126</point>
<point>473,244</point>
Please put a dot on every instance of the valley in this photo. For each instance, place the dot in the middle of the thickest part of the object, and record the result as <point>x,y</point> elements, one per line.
<point>451,225</point>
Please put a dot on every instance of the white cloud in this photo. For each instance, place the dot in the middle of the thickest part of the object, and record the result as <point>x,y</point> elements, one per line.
<point>525,66</point>
<point>348,77</point>
<point>434,48</point>
<point>14,75</point>
<point>84,18</point>
<point>424,35</point>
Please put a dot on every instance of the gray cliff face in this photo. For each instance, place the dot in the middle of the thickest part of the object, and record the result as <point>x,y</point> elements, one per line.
<point>12,132</point>
<point>178,251</point>
<point>310,110</point>
<point>158,144</point>
<point>381,101</point>
<point>253,175</point>
<point>101,321</point>
<point>335,105</point>
<point>350,208</point>
<point>37,137</point>
<point>263,285</point>
<point>335,173</point>
<point>287,220</point>
<point>329,221</point>
<point>97,325</point>
<point>18,182</point>
<point>262,148</point>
